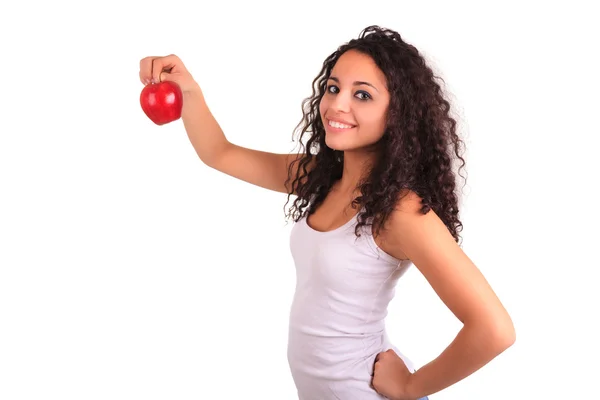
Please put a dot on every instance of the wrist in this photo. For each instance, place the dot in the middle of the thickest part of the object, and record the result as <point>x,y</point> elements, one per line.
<point>192,91</point>
<point>413,392</point>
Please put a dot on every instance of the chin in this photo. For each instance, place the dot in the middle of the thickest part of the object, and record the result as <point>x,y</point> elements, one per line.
<point>344,145</point>
<point>337,145</point>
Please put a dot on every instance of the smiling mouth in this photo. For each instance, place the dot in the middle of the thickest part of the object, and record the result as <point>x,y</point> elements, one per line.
<point>338,125</point>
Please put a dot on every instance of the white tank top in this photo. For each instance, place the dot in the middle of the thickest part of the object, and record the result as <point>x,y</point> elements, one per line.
<point>343,287</point>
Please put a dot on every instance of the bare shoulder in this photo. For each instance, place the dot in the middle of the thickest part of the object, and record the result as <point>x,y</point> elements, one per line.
<point>406,223</point>
<point>422,238</point>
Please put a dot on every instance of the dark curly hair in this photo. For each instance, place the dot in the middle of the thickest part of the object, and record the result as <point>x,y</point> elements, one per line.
<point>414,154</point>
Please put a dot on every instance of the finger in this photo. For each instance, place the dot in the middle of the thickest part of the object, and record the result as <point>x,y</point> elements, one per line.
<point>374,384</point>
<point>377,367</point>
<point>164,65</point>
<point>146,69</point>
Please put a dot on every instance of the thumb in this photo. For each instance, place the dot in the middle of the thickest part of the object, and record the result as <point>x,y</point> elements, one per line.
<point>167,76</point>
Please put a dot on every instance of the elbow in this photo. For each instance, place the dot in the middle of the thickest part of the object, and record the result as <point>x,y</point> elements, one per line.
<point>494,334</point>
<point>507,337</point>
<point>502,334</point>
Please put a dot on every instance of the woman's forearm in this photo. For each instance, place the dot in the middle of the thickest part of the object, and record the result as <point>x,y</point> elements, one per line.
<point>474,346</point>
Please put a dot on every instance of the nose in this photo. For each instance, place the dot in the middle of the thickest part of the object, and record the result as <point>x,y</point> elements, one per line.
<point>341,103</point>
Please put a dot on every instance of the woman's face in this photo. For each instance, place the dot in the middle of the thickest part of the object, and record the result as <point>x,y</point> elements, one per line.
<point>354,106</point>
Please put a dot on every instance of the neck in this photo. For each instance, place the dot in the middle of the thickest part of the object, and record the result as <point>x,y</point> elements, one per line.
<point>356,166</point>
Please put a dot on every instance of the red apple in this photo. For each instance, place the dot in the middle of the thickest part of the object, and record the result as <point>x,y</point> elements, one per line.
<point>162,102</point>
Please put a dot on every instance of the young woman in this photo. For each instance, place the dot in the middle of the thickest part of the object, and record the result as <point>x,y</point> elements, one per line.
<point>374,193</point>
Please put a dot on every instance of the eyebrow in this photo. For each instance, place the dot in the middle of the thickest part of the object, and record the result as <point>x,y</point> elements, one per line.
<point>333,78</point>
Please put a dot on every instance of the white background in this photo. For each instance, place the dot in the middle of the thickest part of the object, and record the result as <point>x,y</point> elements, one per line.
<point>130,270</point>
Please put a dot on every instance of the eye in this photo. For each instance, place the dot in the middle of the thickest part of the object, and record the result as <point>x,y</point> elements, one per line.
<point>361,94</point>
<point>332,88</point>
<point>365,95</point>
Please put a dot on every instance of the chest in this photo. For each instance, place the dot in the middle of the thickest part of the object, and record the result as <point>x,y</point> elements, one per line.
<point>334,212</point>
<point>337,211</point>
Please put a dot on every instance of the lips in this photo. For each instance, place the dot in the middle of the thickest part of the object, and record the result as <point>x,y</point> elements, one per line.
<point>341,121</point>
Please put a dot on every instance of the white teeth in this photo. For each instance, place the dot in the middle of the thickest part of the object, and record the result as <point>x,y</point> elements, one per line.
<point>338,125</point>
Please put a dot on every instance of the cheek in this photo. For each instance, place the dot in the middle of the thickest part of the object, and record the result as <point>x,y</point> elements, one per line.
<point>374,122</point>
<point>323,107</point>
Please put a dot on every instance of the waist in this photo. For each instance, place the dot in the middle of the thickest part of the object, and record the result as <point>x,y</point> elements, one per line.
<point>309,347</point>
<point>325,319</point>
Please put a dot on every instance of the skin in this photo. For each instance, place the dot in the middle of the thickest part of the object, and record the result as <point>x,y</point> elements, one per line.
<point>487,328</point>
